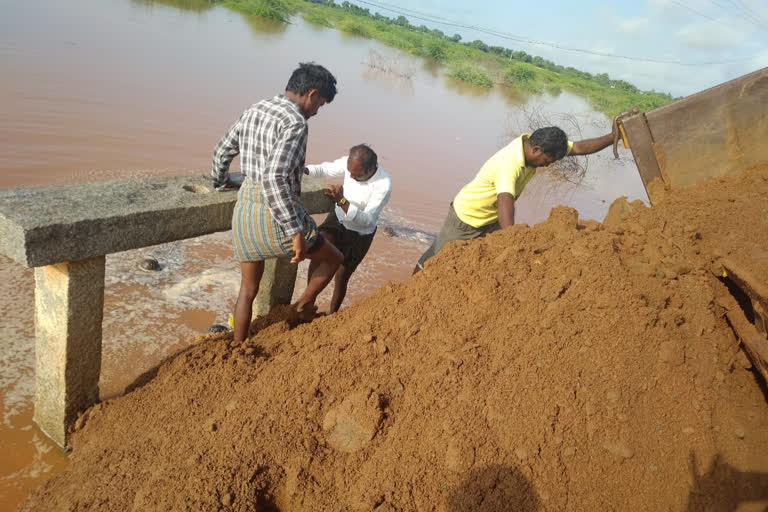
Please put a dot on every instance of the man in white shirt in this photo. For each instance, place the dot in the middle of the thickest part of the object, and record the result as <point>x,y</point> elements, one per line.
<point>351,226</point>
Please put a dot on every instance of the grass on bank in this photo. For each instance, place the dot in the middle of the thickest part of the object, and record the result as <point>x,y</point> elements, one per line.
<point>474,62</point>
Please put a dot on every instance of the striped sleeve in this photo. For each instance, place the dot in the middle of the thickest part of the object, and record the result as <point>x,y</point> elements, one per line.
<point>226,149</point>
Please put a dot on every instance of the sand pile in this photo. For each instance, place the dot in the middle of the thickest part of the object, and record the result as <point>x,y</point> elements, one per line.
<point>571,366</point>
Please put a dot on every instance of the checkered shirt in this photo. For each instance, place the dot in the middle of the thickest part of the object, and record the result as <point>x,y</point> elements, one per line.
<point>271,138</point>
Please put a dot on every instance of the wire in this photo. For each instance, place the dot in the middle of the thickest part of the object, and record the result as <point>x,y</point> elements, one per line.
<point>701,14</point>
<point>520,39</point>
<point>739,12</point>
<point>753,15</point>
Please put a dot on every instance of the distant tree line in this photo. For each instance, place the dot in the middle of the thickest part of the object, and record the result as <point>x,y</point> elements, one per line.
<point>513,55</point>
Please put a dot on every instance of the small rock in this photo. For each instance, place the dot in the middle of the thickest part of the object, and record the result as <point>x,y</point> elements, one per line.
<point>569,452</point>
<point>653,468</point>
<point>149,264</point>
<point>216,328</point>
<point>227,499</point>
<point>521,453</point>
<point>739,432</point>
<point>381,348</point>
<point>688,431</point>
<point>613,396</point>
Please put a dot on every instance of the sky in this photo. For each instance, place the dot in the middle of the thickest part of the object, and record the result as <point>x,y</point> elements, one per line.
<point>703,42</point>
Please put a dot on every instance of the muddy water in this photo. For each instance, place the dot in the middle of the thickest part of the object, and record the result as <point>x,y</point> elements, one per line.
<point>109,89</point>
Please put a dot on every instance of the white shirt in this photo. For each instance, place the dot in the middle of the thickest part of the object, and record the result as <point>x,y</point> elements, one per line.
<point>366,198</point>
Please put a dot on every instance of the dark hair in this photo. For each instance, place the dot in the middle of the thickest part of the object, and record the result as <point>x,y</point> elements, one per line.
<point>365,155</point>
<point>312,76</point>
<point>552,140</point>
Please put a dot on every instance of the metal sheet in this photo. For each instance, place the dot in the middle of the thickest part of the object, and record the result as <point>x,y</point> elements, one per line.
<point>713,133</point>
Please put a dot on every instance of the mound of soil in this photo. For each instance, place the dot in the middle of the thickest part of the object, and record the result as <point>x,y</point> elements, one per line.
<point>570,366</point>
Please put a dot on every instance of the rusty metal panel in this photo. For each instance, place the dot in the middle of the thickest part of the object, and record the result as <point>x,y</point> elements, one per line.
<point>713,133</point>
<point>642,147</point>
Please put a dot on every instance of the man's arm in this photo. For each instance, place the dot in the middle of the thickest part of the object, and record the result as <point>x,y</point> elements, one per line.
<point>589,146</point>
<point>333,169</point>
<point>286,157</point>
<point>226,149</point>
<point>368,216</point>
<point>506,207</point>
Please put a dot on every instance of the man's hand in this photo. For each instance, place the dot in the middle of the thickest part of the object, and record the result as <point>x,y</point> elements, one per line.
<point>299,247</point>
<point>228,185</point>
<point>335,192</point>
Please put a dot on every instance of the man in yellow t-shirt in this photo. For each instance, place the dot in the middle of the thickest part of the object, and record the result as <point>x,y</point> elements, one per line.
<point>487,203</point>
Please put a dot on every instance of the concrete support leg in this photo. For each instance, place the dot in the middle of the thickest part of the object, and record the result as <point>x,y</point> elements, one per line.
<point>69,302</point>
<point>276,284</point>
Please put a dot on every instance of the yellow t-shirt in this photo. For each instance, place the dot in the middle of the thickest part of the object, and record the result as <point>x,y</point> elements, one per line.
<point>476,203</point>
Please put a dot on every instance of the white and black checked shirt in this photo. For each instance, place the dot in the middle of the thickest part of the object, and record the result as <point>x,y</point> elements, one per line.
<point>271,138</point>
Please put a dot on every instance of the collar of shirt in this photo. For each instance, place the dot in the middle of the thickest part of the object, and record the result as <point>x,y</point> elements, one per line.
<point>282,98</point>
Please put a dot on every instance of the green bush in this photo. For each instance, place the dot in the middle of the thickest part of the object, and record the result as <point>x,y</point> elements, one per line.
<point>517,74</point>
<point>471,74</point>
<point>280,10</point>
<point>554,90</point>
<point>436,50</point>
<point>352,26</point>
<point>317,19</point>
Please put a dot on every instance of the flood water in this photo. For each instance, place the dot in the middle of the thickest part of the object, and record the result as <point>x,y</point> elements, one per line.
<point>96,90</point>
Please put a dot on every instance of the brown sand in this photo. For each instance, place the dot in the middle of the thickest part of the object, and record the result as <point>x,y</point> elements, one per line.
<point>571,366</point>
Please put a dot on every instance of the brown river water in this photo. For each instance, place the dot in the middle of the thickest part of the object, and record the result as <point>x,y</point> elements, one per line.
<point>95,90</point>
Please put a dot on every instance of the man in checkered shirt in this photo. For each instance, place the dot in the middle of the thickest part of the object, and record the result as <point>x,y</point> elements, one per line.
<point>269,220</point>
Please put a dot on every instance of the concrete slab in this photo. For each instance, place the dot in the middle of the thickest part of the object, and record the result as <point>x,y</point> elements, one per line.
<point>46,225</point>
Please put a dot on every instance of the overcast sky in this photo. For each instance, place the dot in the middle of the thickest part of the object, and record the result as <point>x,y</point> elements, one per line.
<point>727,38</point>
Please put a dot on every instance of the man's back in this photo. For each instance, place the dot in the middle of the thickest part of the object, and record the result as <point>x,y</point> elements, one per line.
<point>272,127</point>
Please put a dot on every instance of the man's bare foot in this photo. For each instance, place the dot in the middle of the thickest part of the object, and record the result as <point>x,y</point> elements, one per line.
<point>305,312</point>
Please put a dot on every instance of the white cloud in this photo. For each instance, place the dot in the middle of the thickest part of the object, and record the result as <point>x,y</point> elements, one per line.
<point>630,26</point>
<point>710,36</point>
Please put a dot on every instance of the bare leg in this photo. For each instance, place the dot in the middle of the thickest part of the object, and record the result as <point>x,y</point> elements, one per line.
<point>313,264</point>
<point>328,260</point>
<point>250,277</point>
<point>340,287</point>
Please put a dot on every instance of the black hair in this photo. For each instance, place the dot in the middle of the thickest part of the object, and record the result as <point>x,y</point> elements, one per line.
<point>552,140</point>
<point>312,76</point>
<point>365,155</point>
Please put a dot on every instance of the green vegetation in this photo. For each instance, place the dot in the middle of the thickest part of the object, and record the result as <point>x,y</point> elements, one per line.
<point>352,26</point>
<point>522,76</point>
<point>280,10</point>
<point>474,62</point>
<point>317,19</point>
<point>471,74</point>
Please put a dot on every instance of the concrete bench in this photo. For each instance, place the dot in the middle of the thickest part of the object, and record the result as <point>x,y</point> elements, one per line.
<point>64,232</point>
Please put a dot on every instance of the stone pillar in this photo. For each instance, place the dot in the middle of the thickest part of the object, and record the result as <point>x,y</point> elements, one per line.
<point>69,305</point>
<point>277,284</point>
